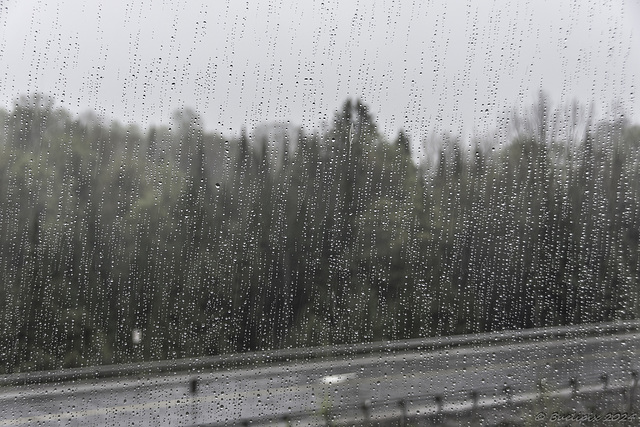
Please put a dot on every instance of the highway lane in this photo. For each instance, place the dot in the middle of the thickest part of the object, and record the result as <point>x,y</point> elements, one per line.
<point>225,396</point>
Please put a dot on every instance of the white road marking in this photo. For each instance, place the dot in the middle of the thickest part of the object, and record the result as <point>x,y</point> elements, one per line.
<point>337,379</point>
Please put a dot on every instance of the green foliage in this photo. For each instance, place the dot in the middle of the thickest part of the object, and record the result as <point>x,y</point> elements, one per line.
<point>210,245</point>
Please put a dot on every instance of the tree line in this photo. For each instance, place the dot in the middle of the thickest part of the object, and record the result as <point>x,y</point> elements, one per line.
<point>209,244</point>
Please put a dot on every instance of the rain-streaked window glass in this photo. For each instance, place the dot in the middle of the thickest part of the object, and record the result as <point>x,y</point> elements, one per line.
<point>319,212</point>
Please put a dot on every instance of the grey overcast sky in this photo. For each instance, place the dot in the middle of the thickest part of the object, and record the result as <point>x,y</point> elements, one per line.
<point>421,65</point>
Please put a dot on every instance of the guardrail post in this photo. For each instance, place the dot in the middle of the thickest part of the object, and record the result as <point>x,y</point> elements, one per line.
<point>474,398</point>
<point>193,388</point>
<point>509,393</point>
<point>605,381</point>
<point>286,420</point>
<point>366,409</point>
<point>573,383</point>
<point>632,392</point>
<point>439,417</point>
<point>438,400</point>
<point>542,388</point>
<point>403,408</point>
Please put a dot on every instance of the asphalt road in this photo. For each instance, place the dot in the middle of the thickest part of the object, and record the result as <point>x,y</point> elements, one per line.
<point>441,378</point>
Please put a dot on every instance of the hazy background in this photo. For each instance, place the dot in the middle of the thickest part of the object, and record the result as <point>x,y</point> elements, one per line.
<point>427,66</point>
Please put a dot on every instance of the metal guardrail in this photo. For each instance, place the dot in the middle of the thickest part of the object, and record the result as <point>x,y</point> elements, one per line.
<point>436,408</point>
<point>262,358</point>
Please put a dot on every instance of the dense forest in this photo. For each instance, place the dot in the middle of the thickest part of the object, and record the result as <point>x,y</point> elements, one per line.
<point>209,244</point>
